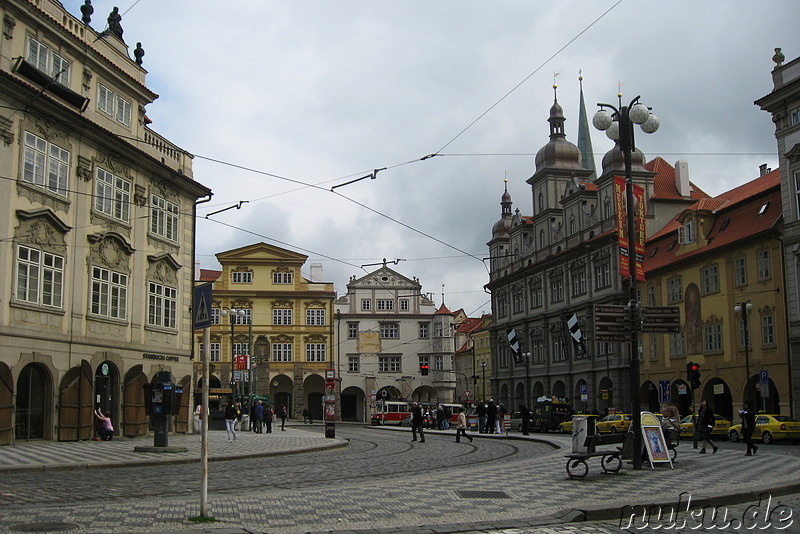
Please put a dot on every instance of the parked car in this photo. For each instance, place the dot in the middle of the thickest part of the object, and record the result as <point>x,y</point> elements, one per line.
<point>721,426</point>
<point>566,426</point>
<point>770,427</point>
<point>615,422</point>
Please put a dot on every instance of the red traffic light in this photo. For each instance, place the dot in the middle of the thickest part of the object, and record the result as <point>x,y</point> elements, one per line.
<point>695,367</point>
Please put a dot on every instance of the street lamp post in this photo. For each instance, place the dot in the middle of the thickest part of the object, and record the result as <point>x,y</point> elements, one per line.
<point>744,308</point>
<point>483,365</point>
<point>620,126</point>
<point>233,312</point>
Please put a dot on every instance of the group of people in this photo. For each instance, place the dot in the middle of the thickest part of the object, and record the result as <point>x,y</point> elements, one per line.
<point>418,423</point>
<point>490,417</point>
<point>261,415</point>
<point>438,418</point>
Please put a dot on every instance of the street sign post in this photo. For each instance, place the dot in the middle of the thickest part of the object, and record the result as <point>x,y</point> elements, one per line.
<point>661,319</point>
<point>611,323</point>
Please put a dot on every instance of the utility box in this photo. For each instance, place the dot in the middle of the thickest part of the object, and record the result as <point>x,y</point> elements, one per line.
<point>162,398</point>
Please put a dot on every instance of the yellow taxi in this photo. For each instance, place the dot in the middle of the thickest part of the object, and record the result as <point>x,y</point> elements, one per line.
<point>566,426</point>
<point>721,426</point>
<point>615,422</point>
<point>770,427</point>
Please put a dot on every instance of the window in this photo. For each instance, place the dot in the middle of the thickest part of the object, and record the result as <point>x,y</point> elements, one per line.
<point>424,361</point>
<point>438,362</point>
<point>767,330</point>
<point>213,352</point>
<point>740,271</point>
<point>676,345</point>
<point>113,105</point>
<point>282,316</point>
<point>602,275</point>
<point>109,293</point>
<point>215,316</point>
<point>40,277</point>
<point>163,305</point>
<point>651,295</point>
<point>537,352</point>
<point>797,190</point>
<point>536,295</point>
<point>653,348</point>
<point>243,319</point>
<point>365,304</point>
<point>438,329</point>
<point>762,261</point>
<point>424,330</point>
<point>712,338</point>
<point>558,353</point>
<point>709,279</point>
<point>281,352</point>
<point>389,364</point>
<point>403,304</point>
<point>556,289</point>
<point>315,317</point>
<point>112,195</point>
<point>390,330</point>
<point>794,117</point>
<point>578,283</point>
<point>686,233</point>
<point>48,61</point>
<point>354,364</point>
<point>502,305</point>
<point>281,278</point>
<point>352,330</point>
<point>517,300</point>
<point>315,352</point>
<point>164,219</point>
<point>242,278</point>
<point>46,165</point>
<point>384,304</point>
<point>241,348</point>
<point>763,209</point>
<point>674,290</point>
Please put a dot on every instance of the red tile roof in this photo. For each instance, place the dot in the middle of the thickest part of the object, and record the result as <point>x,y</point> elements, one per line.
<point>469,324</point>
<point>208,275</point>
<point>664,181</point>
<point>443,310</point>
<point>745,211</point>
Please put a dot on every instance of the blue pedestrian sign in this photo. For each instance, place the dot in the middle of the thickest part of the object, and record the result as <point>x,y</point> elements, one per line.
<point>664,392</point>
<point>201,306</point>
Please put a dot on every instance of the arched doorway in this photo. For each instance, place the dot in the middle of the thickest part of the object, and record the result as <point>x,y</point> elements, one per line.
<point>6,404</point>
<point>605,390</point>
<point>717,393</point>
<point>503,398</point>
<point>559,389</point>
<point>353,404</point>
<point>281,387</point>
<point>682,397</point>
<point>106,388</point>
<point>135,421</point>
<point>314,388</point>
<point>34,389</point>
<point>648,397</point>
<point>519,397</point>
<point>392,394</point>
<point>424,394</point>
<point>538,390</point>
<point>214,383</point>
<point>76,419</point>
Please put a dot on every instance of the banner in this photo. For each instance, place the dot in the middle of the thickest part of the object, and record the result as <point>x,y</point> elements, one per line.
<point>622,238</point>
<point>640,232</point>
<point>577,335</point>
<point>511,334</point>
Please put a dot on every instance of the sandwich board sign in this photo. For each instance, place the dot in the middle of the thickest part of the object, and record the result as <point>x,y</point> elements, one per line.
<point>654,441</point>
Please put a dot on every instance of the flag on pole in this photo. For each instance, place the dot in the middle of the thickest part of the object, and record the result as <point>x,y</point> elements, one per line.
<point>577,335</point>
<point>514,344</point>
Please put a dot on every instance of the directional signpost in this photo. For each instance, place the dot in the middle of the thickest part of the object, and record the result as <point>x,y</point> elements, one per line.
<point>611,323</point>
<point>661,319</point>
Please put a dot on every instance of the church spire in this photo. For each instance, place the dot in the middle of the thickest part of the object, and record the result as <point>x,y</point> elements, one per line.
<point>584,137</point>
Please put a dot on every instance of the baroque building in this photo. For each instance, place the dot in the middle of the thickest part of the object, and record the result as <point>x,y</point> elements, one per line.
<point>392,339</point>
<point>720,261</point>
<point>554,265</point>
<point>282,320</point>
<point>783,103</point>
<point>98,231</point>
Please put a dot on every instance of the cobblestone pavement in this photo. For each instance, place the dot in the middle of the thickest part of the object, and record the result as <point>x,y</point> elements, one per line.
<point>515,493</point>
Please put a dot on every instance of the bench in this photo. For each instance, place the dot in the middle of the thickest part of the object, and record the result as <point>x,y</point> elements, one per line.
<point>610,459</point>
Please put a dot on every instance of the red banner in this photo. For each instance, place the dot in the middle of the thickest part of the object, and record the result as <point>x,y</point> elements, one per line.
<point>622,238</point>
<point>640,232</point>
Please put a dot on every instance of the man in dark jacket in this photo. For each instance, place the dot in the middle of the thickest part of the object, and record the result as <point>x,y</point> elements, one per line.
<point>258,416</point>
<point>491,417</point>
<point>525,412</point>
<point>416,422</point>
<point>705,424</point>
<point>481,411</point>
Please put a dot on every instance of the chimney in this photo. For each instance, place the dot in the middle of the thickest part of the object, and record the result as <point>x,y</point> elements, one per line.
<point>763,169</point>
<point>682,178</point>
<point>316,272</point>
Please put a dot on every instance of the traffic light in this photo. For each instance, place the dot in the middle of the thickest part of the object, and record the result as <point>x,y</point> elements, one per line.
<point>695,377</point>
<point>423,369</point>
<point>689,366</point>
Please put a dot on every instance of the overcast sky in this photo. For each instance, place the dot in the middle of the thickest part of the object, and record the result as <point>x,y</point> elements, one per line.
<point>320,93</point>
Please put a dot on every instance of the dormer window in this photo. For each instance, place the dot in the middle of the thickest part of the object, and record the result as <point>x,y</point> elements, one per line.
<point>113,105</point>
<point>686,233</point>
<point>763,209</point>
<point>724,224</point>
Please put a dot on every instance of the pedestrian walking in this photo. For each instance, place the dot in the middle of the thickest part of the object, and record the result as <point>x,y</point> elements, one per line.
<point>305,416</point>
<point>230,420</point>
<point>269,417</point>
<point>417,422</point>
<point>258,417</point>
<point>461,426</point>
<point>198,418</point>
<point>498,424</point>
<point>705,424</point>
<point>284,416</point>
<point>446,419</point>
<point>481,411</point>
<point>525,413</point>
<point>748,427</point>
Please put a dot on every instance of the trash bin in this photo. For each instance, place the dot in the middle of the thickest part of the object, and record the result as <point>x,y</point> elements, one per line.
<point>330,430</point>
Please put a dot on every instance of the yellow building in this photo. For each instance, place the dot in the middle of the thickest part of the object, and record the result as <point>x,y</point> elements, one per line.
<point>721,263</point>
<point>97,221</point>
<point>286,316</point>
